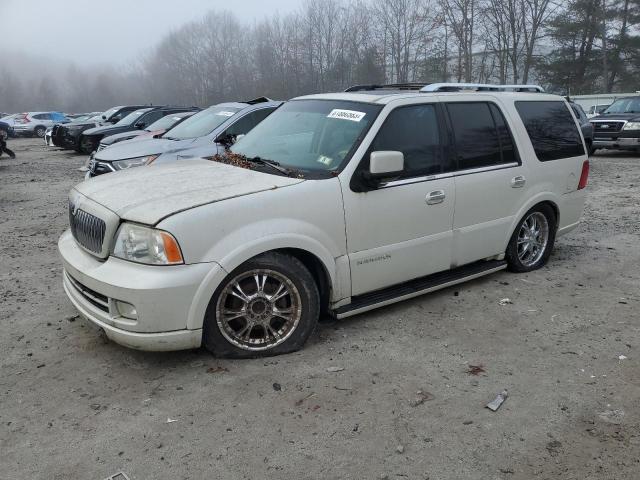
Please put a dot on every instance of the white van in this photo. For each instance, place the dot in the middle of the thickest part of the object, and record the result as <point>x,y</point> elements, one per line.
<point>336,203</point>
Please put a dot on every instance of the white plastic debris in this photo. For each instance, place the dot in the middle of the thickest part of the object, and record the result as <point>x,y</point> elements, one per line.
<point>622,357</point>
<point>335,369</point>
<point>494,404</point>
<point>171,420</point>
<point>505,301</point>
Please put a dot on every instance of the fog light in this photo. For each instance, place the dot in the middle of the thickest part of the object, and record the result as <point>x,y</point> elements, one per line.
<point>126,310</point>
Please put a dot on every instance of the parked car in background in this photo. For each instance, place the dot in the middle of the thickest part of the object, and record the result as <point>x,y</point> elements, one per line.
<point>48,135</point>
<point>618,127</point>
<point>136,120</point>
<point>206,131</point>
<point>156,129</point>
<point>6,130</point>
<point>337,203</point>
<point>68,136</point>
<point>595,110</point>
<point>585,125</point>
<point>35,124</point>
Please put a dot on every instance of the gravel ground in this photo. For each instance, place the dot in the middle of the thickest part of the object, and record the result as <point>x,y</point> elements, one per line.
<point>76,406</point>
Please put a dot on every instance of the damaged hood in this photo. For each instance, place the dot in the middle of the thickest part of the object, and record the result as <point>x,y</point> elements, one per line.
<point>149,194</point>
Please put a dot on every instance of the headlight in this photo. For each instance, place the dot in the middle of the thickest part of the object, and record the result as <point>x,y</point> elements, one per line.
<point>134,162</point>
<point>146,245</point>
<point>632,126</point>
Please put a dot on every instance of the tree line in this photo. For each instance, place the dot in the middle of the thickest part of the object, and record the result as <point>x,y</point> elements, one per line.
<point>570,47</point>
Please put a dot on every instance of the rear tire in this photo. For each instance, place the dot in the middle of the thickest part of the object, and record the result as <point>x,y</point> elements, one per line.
<point>267,306</point>
<point>85,145</point>
<point>533,239</point>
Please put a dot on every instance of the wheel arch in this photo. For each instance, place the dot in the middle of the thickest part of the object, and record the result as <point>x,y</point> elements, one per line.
<point>540,199</point>
<point>316,259</point>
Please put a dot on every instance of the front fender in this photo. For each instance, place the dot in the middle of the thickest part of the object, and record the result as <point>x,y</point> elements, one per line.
<point>338,276</point>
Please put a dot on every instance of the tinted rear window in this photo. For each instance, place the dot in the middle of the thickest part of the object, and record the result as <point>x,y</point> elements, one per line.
<point>552,130</point>
<point>481,135</point>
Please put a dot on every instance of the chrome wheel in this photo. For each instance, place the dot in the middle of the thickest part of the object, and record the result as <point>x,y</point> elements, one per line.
<point>533,238</point>
<point>258,309</point>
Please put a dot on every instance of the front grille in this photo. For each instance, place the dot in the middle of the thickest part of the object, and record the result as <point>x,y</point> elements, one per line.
<point>87,229</point>
<point>94,298</point>
<point>607,127</point>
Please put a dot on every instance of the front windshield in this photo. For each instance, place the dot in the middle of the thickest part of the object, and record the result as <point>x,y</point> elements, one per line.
<point>202,123</point>
<point>625,105</point>
<point>165,122</point>
<point>309,134</point>
<point>132,117</point>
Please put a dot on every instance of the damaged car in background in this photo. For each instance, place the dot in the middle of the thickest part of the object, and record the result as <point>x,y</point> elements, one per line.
<point>156,129</point>
<point>68,135</point>
<point>137,120</point>
<point>203,134</point>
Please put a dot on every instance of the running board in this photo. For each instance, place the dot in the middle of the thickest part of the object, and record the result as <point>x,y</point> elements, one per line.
<point>419,286</point>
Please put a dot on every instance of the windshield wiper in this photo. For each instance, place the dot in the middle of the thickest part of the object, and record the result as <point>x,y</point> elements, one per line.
<point>273,164</point>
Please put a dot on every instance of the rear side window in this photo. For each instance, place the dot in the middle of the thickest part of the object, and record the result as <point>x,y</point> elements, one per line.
<point>414,131</point>
<point>481,135</point>
<point>552,130</point>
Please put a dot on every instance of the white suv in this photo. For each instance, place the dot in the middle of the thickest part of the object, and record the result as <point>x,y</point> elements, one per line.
<point>336,203</point>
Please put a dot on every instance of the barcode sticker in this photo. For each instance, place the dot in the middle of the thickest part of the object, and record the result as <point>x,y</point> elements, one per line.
<point>351,115</point>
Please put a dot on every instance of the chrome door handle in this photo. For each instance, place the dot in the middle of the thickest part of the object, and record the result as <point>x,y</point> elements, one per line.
<point>437,196</point>
<point>519,181</point>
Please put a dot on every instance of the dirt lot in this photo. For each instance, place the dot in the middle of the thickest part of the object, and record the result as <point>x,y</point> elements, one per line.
<point>73,406</point>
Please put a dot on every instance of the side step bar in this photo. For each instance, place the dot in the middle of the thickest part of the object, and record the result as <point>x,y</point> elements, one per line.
<point>419,286</point>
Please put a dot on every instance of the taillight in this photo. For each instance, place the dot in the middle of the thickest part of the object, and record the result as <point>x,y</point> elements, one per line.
<point>584,176</point>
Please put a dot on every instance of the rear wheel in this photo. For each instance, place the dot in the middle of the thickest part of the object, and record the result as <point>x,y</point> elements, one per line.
<point>268,306</point>
<point>39,131</point>
<point>533,239</point>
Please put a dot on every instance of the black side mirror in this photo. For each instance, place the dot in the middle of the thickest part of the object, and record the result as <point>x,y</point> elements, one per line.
<point>140,125</point>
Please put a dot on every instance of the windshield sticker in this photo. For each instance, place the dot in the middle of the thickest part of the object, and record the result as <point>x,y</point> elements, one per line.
<point>226,114</point>
<point>351,115</point>
<point>325,160</point>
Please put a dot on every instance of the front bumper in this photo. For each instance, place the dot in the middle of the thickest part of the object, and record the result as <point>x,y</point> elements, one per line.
<point>162,295</point>
<point>617,142</point>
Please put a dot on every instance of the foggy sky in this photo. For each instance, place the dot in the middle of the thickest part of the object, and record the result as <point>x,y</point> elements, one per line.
<point>109,31</point>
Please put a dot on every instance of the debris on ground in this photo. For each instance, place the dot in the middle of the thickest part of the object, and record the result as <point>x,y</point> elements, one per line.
<point>400,449</point>
<point>300,401</point>
<point>612,416</point>
<point>217,369</point>
<point>505,301</point>
<point>277,387</point>
<point>499,400</point>
<point>622,357</point>
<point>171,420</point>
<point>335,369</point>
<point>476,369</point>
<point>420,398</point>
<point>553,447</point>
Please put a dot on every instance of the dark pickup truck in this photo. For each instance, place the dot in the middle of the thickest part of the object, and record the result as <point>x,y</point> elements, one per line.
<point>618,127</point>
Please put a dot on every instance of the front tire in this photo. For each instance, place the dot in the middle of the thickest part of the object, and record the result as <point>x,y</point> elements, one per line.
<point>533,239</point>
<point>267,306</point>
<point>39,132</point>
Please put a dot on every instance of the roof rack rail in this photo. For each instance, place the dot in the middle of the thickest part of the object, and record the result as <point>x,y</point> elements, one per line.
<point>388,86</point>
<point>479,87</point>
